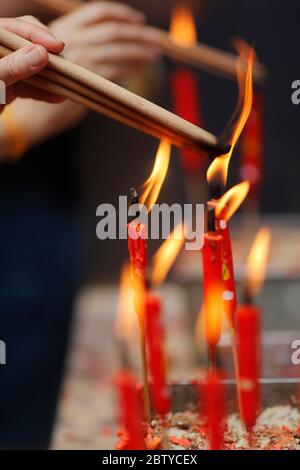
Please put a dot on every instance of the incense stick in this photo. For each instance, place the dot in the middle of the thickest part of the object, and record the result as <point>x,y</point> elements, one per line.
<point>208,58</point>
<point>147,401</point>
<point>59,6</point>
<point>236,369</point>
<point>52,87</point>
<point>200,55</point>
<point>144,112</point>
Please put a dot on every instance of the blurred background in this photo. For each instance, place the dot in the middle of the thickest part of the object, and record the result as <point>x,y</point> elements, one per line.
<point>48,203</point>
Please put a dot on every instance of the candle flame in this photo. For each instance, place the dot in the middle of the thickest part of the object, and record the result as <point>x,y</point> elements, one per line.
<point>229,203</point>
<point>212,310</point>
<point>153,185</point>
<point>218,170</point>
<point>125,322</point>
<point>167,254</point>
<point>182,28</point>
<point>257,261</point>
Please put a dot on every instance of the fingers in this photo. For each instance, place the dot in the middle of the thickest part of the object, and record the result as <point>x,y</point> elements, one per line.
<point>33,20</point>
<point>22,64</point>
<point>119,53</point>
<point>113,31</point>
<point>97,12</point>
<point>34,32</point>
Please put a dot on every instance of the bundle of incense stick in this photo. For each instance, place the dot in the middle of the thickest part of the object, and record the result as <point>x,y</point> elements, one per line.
<point>73,82</point>
<point>206,57</point>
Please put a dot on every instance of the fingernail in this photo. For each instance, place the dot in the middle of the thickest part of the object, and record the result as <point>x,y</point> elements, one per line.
<point>35,56</point>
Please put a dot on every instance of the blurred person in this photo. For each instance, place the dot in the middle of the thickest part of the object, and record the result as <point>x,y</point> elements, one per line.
<point>40,235</point>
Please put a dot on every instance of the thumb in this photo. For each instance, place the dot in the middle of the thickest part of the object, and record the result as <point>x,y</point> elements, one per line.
<point>22,64</point>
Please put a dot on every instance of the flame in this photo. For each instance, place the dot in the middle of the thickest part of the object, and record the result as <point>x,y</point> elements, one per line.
<point>257,260</point>
<point>182,28</point>
<point>213,315</point>
<point>218,170</point>
<point>152,187</point>
<point>125,322</point>
<point>199,329</point>
<point>167,254</point>
<point>228,204</point>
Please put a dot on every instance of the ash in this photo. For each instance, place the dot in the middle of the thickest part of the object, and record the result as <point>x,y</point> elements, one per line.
<point>277,428</point>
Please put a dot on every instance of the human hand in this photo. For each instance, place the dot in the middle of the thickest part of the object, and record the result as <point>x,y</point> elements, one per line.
<point>107,38</point>
<point>26,62</point>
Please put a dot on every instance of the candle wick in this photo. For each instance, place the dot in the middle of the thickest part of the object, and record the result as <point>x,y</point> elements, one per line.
<point>247,295</point>
<point>216,190</point>
<point>211,218</point>
<point>134,199</point>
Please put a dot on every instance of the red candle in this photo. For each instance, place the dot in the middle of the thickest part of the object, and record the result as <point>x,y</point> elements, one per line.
<point>137,245</point>
<point>229,287</point>
<point>130,412</point>
<point>252,146</point>
<point>212,288</point>
<point>156,357</point>
<point>248,341</point>
<point>186,101</point>
<point>213,397</point>
<point>225,207</point>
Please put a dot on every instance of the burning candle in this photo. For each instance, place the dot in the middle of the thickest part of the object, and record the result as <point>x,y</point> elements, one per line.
<point>248,330</point>
<point>217,178</point>
<point>131,415</point>
<point>213,399</point>
<point>184,85</point>
<point>137,245</point>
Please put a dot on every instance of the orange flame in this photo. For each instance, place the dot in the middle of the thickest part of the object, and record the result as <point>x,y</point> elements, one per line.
<point>182,28</point>
<point>153,185</point>
<point>125,322</point>
<point>213,315</point>
<point>218,170</point>
<point>228,204</point>
<point>257,261</point>
<point>167,254</point>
